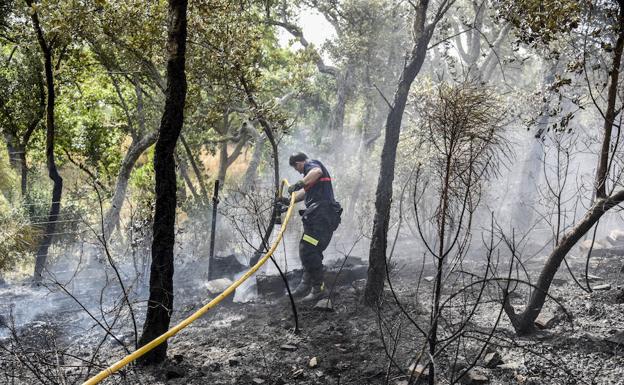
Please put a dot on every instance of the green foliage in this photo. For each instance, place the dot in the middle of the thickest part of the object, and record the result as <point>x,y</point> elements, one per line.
<point>21,89</point>
<point>5,7</point>
<point>91,125</point>
<point>220,56</point>
<point>17,240</point>
<point>16,237</point>
<point>143,175</point>
<point>7,181</point>
<point>539,21</point>
<point>577,40</point>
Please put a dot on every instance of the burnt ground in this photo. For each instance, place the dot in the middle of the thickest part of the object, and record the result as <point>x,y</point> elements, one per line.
<point>254,343</point>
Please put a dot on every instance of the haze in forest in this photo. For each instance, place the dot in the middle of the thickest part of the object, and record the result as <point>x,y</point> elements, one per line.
<point>473,148</point>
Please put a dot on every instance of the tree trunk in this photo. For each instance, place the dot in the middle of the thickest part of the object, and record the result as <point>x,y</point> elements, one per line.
<point>111,218</point>
<point>17,159</point>
<point>160,304</point>
<point>370,130</point>
<point>266,127</point>
<point>337,117</point>
<point>529,177</point>
<point>196,170</point>
<point>523,322</point>
<point>474,41</point>
<point>23,172</point>
<point>32,126</point>
<point>490,63</point>
<point>471,51</point>
<point>252,170</point>
<point>609,117</point>
<point>12,150</point>
<point>223,161</point>
<point>383,195</point>
<point>187,178</point>
<point>23,144</point>
<point>264,246</point>
<point>57,189</point>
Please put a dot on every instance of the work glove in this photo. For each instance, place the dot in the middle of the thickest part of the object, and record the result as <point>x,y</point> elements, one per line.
<point>282,201</point>
<point>281,204</point>
<point>296,187</point>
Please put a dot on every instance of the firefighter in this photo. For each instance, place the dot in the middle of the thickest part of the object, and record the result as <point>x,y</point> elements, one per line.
<point>320,218</point>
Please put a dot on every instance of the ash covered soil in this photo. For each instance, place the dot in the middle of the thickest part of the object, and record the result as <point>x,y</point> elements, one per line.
<point>254,343</point>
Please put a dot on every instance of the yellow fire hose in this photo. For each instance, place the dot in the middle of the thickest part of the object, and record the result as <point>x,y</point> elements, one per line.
<point>193,317</point>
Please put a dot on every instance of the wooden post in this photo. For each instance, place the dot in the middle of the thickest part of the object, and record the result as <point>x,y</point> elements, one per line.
<point>215,202</point>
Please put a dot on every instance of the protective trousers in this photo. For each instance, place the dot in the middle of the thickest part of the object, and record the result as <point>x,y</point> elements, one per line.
<point>318,228</point>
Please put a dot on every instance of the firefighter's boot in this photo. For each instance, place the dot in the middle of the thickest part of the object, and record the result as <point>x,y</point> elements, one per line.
<point>318,286</point>
<point>304,286</point>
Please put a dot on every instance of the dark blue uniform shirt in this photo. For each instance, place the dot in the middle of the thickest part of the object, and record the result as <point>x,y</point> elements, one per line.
<point>321,190</point>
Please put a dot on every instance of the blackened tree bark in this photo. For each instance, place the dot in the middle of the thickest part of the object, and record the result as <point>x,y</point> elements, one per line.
<point>383,196</point>
<point>57,189</point>
<point>160,304</point>
<point>523,322</point>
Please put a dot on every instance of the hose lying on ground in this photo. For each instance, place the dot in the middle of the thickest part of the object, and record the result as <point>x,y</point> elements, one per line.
<point>193,317</point>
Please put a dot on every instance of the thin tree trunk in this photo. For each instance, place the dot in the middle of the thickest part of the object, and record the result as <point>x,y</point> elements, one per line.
<point>17,158</point>
<point>487,68</point>
<point>242,141</point>
<point>14,161</point>
<point>369,125</point>
<point>57,189</point>
<point>23,173</point>
<point>111,218</point>
<point>17,149</point>
<point>195,167</point>
<point>17,146</point>
<point>252,170</point>
<point>529,177</point>
<point>524,322</point>
<point>471,51</point>
<point>474,41</point>
<point>337,117</point>
<point>187,178</point>
<point>609,118</point>
<point>435,314</point>
<point>383,196</point>
<point>32,126</point>
<point>276,178</point>
<point>12,150</point>
<point>225,159</point>
<point>223,162</point>
<point>160,304</point>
